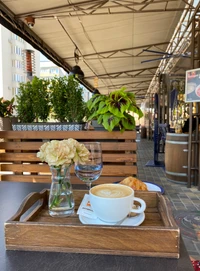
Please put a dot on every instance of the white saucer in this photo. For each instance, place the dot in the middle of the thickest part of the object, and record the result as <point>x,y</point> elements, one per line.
<point>129,221</point>
<point>154,187</point>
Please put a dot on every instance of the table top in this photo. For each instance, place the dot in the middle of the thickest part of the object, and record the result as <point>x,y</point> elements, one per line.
<point>11,196</point>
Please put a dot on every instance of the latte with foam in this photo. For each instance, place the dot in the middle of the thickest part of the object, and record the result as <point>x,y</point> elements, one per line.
<point>109,191</point>
<point>113,202</point>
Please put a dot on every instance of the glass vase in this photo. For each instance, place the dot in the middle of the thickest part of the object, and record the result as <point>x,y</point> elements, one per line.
<point>61,200</point>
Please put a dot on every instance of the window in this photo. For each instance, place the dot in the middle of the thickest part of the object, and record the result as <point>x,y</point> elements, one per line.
<point>54,70</point>
<point>17,64</point>
<point>43,70</point>
<point>15,37</point>
<point>15,91</point>
<point>17,78</point>
<point>16,50</point>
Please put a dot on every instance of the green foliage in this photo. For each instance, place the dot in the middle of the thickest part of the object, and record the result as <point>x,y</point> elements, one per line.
<point>33,101</point>
<point>6,107</point>
<point>62,97</point>
<point>114,110</point>
<point>67,101</point>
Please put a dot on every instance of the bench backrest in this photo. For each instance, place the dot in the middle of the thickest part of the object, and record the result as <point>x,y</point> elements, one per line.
<point>18,160</point>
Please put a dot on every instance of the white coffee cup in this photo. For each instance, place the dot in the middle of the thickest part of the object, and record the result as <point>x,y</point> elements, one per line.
<point>113,202</point>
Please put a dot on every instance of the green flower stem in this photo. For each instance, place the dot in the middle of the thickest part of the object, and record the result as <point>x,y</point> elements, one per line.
<point>61,186</point>
<point>68,198</point>
<point>56,202</point>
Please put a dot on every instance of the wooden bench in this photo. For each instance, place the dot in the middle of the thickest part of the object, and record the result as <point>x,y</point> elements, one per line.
<point>19,163</point>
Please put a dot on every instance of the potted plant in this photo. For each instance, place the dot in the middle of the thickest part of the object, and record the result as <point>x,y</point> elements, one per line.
<point>114,110</point>
<point>67,100</point>
<point>33,102</point>
<point>6,114</point>
<point>59,99</point>
<point>33,105</point>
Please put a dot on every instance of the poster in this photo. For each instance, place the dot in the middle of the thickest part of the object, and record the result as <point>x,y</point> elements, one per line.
<point>192,86</point>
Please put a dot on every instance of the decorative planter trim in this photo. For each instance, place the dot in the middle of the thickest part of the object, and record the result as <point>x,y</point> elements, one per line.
<point>48,126</point>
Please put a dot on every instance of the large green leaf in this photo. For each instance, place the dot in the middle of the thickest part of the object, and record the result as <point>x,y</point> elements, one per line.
<point>118,109</point>
<point>118,102</point>
<point>93,116</point>
<point>110,121</point>
<point>136,110</point>
<point>100,119</point>
<point>128,122</point>
<point>103,108</point>
<point>95,100</point>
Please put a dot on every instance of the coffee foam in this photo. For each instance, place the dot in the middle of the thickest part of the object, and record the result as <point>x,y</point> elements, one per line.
<point>106,191</point>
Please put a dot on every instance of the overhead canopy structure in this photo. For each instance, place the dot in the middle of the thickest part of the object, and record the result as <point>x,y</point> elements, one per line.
<point>116,43</point>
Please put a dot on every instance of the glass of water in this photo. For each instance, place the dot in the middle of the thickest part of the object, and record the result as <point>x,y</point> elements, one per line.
<point>91,170</point>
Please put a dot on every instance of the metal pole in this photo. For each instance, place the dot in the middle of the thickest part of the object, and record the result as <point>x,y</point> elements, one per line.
<point>190,109</point>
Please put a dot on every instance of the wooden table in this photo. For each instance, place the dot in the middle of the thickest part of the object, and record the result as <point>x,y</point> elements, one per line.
<point>11,196</point>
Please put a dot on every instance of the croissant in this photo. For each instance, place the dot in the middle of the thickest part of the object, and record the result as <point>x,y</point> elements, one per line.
<point>134,183</point>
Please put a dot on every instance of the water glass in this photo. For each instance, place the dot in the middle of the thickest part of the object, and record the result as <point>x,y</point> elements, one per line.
<point>91,170</point>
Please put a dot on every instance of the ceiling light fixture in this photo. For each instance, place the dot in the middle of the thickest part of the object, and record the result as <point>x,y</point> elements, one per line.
<point>76,70</point>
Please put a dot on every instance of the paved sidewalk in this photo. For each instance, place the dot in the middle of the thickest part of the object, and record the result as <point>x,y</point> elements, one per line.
<point>185,201</point>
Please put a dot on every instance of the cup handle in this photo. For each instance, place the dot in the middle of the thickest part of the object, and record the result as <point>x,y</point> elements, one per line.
<point>142,208</point>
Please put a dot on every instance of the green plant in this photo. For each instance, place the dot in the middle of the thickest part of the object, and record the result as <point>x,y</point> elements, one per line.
<point>33,102</point>
<point>6,107</point>
<point>114,110</point>
<point>67,100</point>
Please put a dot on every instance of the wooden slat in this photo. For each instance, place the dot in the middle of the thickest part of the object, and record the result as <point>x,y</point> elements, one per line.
<point>17,157</point>
<point>26,178</point>
<point>119,146</point>
<point>119,170</point>
<point>25,167</point>
<point>79,135</point>
<point>47,179</point>
<point>108,170</point>
<point>111,146</point>
<point>31,157</point>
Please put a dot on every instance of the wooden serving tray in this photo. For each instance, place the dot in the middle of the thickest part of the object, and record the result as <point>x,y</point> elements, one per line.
<point>157,236</point>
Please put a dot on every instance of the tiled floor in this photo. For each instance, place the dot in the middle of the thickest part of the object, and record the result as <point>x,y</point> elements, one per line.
<point>185,201</point>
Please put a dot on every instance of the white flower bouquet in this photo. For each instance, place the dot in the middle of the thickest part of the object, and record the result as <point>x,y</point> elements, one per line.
<point>60,155</point>
<point>63,152</point>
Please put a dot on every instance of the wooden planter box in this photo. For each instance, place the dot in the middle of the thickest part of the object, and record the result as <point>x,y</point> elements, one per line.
<point>157,236</point>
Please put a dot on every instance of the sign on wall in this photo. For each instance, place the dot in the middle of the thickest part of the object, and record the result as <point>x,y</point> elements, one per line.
<point>192,86</point>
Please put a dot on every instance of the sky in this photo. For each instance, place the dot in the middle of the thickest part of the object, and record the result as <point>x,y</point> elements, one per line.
<point>43,58</point>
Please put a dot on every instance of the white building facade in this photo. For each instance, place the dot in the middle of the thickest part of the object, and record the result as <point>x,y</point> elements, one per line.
<point>48,70</point>
<point>13,62</point>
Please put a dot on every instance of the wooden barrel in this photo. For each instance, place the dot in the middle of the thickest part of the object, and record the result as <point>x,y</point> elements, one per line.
<point>176,157</point>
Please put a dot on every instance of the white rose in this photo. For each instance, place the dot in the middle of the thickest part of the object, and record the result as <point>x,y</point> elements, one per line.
<point>57,153</point>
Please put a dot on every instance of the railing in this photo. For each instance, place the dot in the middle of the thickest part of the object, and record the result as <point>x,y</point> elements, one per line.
<point>19,163</point>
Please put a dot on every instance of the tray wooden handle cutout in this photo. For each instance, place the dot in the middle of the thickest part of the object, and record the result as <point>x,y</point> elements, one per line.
<point>29,201</point>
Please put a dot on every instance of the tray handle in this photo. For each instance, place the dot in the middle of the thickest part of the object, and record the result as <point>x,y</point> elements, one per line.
<point>29,201</point>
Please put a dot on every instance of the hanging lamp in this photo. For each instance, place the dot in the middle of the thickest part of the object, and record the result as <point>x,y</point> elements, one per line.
<point>76,70</point>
